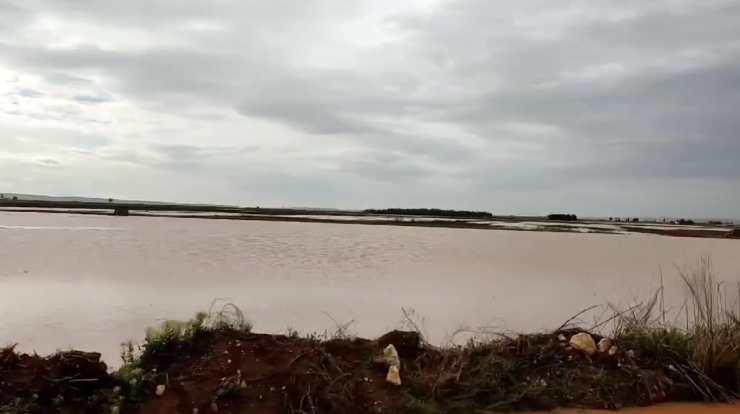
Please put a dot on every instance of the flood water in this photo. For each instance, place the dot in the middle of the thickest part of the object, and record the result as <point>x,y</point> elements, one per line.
<point>91,282</point>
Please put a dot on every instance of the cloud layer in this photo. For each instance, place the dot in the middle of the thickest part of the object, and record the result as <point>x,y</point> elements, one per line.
<point>606,107</point>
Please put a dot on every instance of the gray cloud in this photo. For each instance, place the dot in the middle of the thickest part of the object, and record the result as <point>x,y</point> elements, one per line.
<point>91,99</point>
<point>484,99</point>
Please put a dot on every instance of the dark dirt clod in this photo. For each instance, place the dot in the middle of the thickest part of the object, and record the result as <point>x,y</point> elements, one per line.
<point>63,382</point>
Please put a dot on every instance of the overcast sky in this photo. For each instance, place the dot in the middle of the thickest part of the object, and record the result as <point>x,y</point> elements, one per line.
<point>596,107</point>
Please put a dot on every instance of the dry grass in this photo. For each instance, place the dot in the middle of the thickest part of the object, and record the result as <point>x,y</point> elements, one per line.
<point>704,347</point>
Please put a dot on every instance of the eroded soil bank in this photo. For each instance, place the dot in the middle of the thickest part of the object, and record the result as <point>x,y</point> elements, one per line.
<point>196,370</point>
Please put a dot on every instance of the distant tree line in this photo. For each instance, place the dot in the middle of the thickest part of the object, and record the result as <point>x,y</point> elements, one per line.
<point>562,217</point>
<point>433,212</point>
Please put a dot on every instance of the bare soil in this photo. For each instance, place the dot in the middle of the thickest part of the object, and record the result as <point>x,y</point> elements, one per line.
<point>240,372</point>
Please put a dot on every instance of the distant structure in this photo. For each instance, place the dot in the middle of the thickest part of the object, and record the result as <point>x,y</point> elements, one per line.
<point>121,211</point>
<point>562,217</point>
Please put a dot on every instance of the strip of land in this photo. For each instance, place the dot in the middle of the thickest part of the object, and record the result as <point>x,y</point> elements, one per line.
<point>386,217</point>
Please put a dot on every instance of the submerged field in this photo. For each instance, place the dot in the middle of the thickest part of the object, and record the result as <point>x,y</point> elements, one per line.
<point>387,217</point>
<point>642,355</point>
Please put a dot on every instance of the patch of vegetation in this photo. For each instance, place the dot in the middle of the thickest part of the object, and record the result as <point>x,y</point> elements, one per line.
<point>432,212</point>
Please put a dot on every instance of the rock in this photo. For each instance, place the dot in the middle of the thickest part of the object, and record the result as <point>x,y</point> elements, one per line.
<point>613,350</point>
<point>562,338</point>
<point>160,390</point>
<point>390,356</point>
<point>394,376</point>
<point>583,342</point>
<point>605,344</point>
<point>408,344</point>
<point>214,407</point>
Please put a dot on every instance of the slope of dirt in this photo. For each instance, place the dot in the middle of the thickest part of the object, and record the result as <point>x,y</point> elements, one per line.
<point>72,382</point>
<point>239,372</point>
<point>248,373</point>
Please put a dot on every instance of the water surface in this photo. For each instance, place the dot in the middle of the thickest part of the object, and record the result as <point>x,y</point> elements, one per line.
<point>90,282</point>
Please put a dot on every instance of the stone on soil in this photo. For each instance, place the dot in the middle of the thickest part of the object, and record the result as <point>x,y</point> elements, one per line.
<point>583,342</point>
<point>394,376</point>
<point>605,345</point>
<point>390,356</point>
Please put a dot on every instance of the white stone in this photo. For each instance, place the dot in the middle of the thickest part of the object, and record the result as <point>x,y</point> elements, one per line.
<point>613,350</point>
<point>390,356</point>
<point>160,390</point>
<point>605,344</point>
<point>394,376</point>
<point>583,342</point>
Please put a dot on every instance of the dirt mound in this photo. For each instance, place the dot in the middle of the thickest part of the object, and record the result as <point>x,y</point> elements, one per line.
<point>535,372</point>
<point>238,372</point>
<point>250,373</point>
<point>64,382</point>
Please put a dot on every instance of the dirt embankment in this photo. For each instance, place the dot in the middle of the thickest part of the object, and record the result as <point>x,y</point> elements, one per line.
<point>238,372</point>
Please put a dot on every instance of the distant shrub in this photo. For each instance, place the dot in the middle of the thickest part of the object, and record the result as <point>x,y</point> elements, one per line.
<point>685,222</point>
<point>562,217</point>
<point>433,212</point>
<point>635,219</point>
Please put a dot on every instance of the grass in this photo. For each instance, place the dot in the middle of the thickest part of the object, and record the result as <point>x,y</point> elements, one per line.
<point>692,353</point>
<point>704,348</point>
<point>170,342</point>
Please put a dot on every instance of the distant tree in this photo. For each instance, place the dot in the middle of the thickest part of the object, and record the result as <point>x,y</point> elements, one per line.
<point>611,218</point>
<point>433,212</point>
<point>635,219</point>
<point>15,197</point>
<point>110,200</point>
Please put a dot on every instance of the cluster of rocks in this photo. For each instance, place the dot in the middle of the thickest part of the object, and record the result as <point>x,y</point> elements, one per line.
<point>586,343</point>
<point>390,357</point>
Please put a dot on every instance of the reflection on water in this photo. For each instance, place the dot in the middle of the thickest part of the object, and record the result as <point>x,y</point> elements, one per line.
<point>104,279</point>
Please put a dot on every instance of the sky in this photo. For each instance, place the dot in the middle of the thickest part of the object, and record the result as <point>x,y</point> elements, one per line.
<point>592,107</point>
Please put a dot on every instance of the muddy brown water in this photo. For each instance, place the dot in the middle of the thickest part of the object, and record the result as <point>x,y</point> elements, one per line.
<point>90,282</point>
